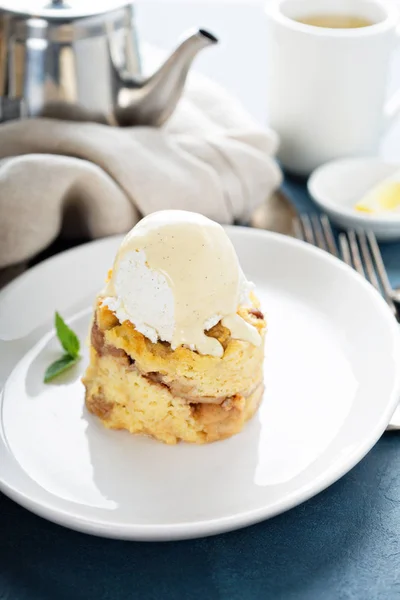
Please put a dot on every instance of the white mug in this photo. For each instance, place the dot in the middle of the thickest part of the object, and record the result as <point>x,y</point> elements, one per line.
<point>326,86</point>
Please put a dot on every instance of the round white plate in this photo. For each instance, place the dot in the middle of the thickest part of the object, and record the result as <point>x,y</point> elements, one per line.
<point>332,384</point>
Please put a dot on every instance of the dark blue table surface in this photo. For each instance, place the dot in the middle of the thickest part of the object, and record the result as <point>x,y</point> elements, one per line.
<point>344,544</point>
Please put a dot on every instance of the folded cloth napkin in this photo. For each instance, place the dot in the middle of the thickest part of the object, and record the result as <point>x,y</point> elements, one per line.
<point>88,179</point>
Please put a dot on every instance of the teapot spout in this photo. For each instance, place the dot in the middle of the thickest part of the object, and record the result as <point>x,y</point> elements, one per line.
<point>153,100</point>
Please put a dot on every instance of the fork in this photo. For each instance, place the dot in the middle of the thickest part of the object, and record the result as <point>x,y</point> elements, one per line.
<point>358,249</point>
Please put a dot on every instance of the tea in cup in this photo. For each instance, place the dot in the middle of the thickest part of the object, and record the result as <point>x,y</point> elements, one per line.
<point>328,63</point>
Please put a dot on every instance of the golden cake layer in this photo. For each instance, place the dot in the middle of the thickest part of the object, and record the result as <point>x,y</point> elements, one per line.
<point>144,387</point>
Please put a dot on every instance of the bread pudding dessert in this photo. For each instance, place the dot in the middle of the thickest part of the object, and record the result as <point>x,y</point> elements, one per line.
<point>177,335</point>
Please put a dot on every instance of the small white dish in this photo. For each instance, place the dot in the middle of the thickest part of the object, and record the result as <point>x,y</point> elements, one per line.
<point>330,393</point>
<point>337,185</point>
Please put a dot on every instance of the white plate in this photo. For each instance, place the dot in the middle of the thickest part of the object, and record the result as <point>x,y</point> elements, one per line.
<point>332,385</point>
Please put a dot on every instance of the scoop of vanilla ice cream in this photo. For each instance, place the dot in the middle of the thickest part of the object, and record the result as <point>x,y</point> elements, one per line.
<point>175,276</point>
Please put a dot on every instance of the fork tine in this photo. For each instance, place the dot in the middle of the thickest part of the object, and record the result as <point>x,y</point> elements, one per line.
<point>329,238</point>
<point>374,264</point>
<point>367,258</point>
<point>345,249</point>
<point>297,229</point>
<point>307,228</point>
<point>380,267</point>
<point>355,253</point>
<point>318,232</point>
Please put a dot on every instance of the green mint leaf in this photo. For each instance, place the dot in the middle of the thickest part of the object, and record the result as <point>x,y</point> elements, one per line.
<point>59,366</point>
<point>69,340</point>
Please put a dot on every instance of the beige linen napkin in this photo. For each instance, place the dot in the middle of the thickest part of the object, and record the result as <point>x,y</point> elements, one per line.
<point>95,180</point>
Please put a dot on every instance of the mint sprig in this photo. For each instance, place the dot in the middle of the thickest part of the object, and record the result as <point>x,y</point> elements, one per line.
<point>70,343</point>
<point>69,339</point>
<point>59,366</point>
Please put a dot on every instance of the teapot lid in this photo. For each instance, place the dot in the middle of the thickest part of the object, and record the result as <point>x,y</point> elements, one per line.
<point>65,10</point>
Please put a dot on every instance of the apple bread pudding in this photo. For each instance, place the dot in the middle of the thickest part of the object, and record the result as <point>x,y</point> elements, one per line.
<point>177,339</point>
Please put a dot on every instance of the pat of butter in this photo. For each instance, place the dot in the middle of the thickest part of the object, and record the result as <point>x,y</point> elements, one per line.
<point>383,198</point>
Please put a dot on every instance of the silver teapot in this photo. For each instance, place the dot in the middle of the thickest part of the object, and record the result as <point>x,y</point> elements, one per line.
<point>79,60</point>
